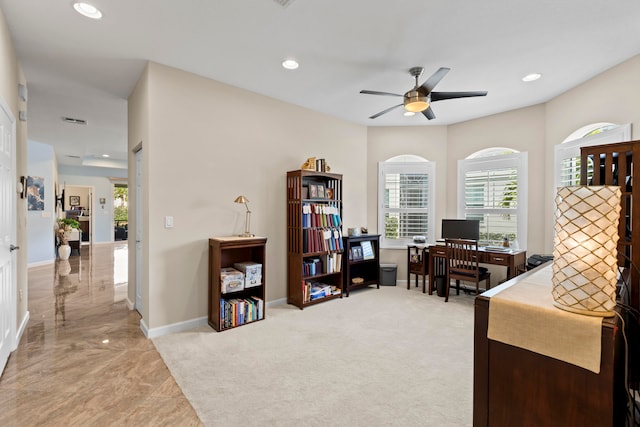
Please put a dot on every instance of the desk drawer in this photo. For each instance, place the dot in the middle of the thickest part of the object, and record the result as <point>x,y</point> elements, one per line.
<point>498,259</point>
<point>438,251</point>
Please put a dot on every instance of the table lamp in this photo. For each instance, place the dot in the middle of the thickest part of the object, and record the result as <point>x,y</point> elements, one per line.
<point>242,199</point>
<point>585,249</point>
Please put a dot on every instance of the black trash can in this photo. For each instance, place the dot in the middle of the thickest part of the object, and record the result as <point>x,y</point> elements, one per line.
<point>441,285</point>
<point>388,274</point>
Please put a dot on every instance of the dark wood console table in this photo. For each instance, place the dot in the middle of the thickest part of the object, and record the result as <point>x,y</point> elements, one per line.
<point>514,386</point>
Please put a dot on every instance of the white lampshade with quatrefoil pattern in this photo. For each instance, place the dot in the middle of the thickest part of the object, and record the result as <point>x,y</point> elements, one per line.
<point>585,249</point>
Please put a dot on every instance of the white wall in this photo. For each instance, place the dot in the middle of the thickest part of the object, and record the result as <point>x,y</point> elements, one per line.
<point>40,224</point>
<point>101,215</point>
<point>208,143</point>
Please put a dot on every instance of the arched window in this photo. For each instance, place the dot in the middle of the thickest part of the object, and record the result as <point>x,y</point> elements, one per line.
<point>492,187</point>
<point>406,196</point>
<point>567,154</point>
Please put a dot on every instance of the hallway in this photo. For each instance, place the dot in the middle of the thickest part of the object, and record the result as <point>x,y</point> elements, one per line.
<point>83,359</point>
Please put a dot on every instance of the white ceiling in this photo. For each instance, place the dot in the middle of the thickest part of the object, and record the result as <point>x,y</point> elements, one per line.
<point>81,68</point>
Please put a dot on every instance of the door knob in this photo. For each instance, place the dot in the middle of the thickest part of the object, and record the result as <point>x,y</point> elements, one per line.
<point>13,248</point>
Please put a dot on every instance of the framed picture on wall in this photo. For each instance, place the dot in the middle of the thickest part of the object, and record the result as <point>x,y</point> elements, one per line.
<point>74,200</point>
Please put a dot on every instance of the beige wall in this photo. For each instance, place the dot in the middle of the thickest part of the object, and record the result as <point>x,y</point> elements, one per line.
<point>10,76</point>
<point>609,97</point>
<point>208,143</point>
<point>429,142</point>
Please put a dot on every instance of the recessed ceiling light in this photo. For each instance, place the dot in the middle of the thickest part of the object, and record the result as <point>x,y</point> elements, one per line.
<point>409,113</point>
<point>531,77</point>
<point>290,64</point>
<point>87,10</point>
<point>105,155</point>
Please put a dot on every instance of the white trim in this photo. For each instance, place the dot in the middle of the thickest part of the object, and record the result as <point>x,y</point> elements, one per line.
<point>22,328</point>
<point>519,161</point>
<point>41,263</point>
<point>173,328</point>
<point>422,167</point>
<point>571,148</point>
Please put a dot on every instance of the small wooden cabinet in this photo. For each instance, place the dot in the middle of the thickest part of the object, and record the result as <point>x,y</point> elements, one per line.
<point>417,264</point>
<point>361,261</point>
<point>231,309</point>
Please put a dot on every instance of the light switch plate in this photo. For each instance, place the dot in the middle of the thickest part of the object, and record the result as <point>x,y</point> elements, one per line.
<point>168,222</point>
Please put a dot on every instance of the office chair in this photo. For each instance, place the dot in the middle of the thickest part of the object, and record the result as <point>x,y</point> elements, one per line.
<point>462,264</point>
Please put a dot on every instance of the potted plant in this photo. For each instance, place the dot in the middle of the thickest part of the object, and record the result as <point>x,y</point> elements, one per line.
<point>63,228</point>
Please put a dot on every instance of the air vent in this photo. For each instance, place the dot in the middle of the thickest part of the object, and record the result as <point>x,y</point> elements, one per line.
<point>72,156</point>
<point>284,3</point>
<point>74,121</point>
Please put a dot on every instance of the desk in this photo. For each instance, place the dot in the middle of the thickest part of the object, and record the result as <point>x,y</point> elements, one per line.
<point>516,386</point>
<point>514,260</point>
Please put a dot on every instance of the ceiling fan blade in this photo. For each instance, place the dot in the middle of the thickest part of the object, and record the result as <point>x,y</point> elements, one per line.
<point>434,79</point>
<point>385,111</point>
<point>375,92</point>
<point>428,113</point>
<point>439,96</point>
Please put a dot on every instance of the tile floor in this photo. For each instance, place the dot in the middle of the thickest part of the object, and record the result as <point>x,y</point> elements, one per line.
<point>83,360</point>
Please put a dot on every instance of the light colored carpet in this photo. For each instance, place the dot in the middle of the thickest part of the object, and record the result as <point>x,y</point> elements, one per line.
<point>382,357</point>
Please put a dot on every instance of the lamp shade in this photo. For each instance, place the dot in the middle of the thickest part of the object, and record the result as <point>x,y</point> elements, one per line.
<point>585,249</point>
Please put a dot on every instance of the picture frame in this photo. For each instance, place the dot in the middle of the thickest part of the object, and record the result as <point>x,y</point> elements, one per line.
<point>313,191</point>
<point>329,193</point>
<point>356,253</point>
<point>74,200</point>
<point>320,191</point>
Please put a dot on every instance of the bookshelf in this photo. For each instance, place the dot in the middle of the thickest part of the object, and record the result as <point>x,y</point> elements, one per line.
<point>613,164</point>
<point>314,237</point>
<point>233,303</point>
<point>361,261</point>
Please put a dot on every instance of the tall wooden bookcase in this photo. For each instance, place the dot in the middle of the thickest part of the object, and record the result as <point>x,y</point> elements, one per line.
<point>314,237</point>
<point>613,164</point>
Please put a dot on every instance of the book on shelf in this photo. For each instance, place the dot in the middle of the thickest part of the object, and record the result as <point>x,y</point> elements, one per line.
<point>238,311</point>
<point>367,250</point>
<point>312,291</point>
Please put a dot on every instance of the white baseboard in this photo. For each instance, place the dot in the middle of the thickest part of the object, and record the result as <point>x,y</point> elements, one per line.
<point>22,328</point>
<point>130,304</point>
<point>280,301</point>
<point>173,328</point>
<point>41,263</point>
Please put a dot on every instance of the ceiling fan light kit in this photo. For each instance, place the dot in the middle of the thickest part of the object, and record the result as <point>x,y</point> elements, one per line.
<point>419,99</point>
<point>415,102</point>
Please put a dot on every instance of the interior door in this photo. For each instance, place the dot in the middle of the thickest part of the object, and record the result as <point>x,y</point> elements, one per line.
<point>8,283</point>
<point>138,220</point>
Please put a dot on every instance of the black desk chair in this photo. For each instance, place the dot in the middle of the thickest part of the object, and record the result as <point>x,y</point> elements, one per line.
<point>462,264</point>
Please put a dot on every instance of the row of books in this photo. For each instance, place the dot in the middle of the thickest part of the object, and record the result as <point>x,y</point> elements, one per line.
<point>237,311</point>
<point>329,263</point>
<point>312,291</point>
<point>320,215</point>
<point>322,240</point>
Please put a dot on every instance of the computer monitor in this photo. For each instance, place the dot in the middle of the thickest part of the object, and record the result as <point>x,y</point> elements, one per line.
<point>461,229</point>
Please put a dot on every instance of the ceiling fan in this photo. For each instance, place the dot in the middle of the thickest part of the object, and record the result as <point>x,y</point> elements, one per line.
<point>418,99</point>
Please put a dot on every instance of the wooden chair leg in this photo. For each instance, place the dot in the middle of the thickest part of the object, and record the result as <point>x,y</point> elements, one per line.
<point>457,287</point>
<point>447,286</point>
